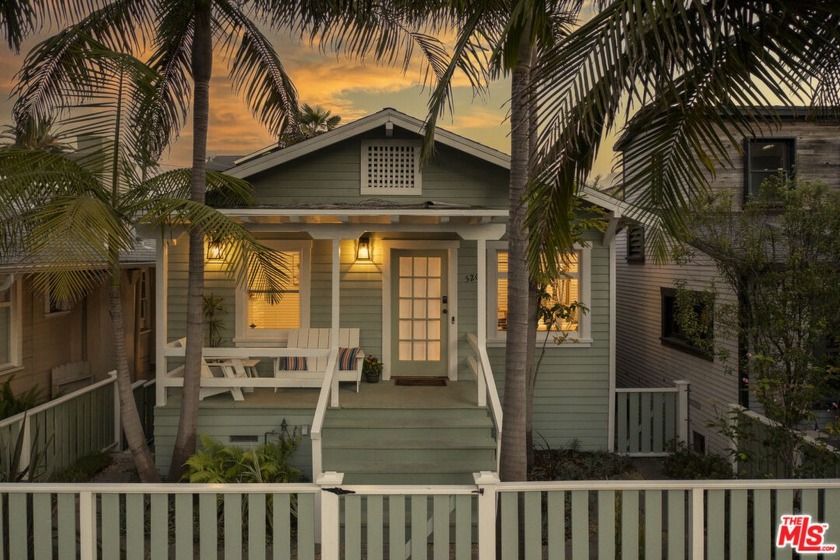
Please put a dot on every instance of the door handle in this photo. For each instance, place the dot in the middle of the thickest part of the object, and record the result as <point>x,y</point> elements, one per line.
<point>444,310</point>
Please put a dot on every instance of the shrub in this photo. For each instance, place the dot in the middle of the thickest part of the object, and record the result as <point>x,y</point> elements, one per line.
<point>570,463</point>
<point>11,404</point>
<point>217,464</point>
<point>685,464</point>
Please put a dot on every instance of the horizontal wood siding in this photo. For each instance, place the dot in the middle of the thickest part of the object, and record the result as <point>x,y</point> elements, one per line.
<point>360,296</point>
<point>83,333</point>
<point>642,360</point>
<point>572,394</point>
<point>333,175</point>
<point>222,423</point>
<point>467,304</point>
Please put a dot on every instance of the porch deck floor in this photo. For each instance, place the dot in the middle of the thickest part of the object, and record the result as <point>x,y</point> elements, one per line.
<point>385,394</point>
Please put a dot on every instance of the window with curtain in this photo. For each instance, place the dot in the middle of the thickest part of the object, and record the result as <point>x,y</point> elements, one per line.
<point>564,290</point>
<point>284,314</point>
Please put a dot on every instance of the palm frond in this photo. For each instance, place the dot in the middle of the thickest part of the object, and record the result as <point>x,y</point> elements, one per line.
<point>255,69</point>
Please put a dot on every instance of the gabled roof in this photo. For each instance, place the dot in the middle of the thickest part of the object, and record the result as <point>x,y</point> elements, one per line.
<point>270,157</point>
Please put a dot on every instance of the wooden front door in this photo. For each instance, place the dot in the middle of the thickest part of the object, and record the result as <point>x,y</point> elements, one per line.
<point>419,311</point>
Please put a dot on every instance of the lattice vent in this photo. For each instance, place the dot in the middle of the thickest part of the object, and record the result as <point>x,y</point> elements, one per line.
<point>391,167</point>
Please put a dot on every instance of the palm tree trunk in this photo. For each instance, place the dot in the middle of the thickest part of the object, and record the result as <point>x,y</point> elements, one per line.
<point>514,460</point>
<point>202,64</point>
<point>531,364</point>
<point>131,424</point>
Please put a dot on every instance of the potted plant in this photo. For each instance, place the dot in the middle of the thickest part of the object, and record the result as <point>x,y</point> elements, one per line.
<point>372,369</point>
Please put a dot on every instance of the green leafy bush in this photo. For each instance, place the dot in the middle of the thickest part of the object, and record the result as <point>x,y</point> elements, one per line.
<point>11,404</point>
<point>685,464</point>
<point>216,464</point>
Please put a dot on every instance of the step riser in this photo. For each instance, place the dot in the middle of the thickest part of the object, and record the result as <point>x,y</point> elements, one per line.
<point>363,437</point>
<point>411,446</point>
<point>356,460</point>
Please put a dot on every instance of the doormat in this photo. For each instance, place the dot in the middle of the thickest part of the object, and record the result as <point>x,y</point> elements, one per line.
<point>420,381</point>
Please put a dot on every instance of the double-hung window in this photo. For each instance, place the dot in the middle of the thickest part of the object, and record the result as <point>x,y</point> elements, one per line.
<point>257,318</point>
<point>572,288</point>
<point>766,158</point>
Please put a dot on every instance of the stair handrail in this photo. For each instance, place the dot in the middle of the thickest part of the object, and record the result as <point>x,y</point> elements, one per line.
<point>324,397</point>
<point>484,376</point>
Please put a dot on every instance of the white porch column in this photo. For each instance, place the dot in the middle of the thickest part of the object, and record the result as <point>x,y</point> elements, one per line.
<point>481,312</point>
<point>161,318</point>
<point>336,315</point>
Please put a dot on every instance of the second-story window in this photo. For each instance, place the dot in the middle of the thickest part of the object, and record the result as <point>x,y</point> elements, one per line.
<point>766,158</point>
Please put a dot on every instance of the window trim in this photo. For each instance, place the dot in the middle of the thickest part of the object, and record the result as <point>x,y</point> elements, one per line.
<point>582,338</point>
<point>275,337</point>
<point>791,145</point>
<point>678,343</point>
<point>15,304</point>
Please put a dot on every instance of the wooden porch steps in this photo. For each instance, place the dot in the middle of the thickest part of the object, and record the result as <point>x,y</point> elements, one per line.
<point>409,446</point>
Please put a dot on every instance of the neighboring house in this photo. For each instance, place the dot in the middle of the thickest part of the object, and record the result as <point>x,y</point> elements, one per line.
<point>650,349</point>
<point>39,333</point>
<point>414,256</point>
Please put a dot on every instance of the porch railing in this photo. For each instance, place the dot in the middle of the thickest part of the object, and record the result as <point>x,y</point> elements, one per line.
<point>577,520</point>
<point>65,429</point>
<point>479,365</point>
<point>328,395</point>
<point>648,419</point>
<point>174,350</point>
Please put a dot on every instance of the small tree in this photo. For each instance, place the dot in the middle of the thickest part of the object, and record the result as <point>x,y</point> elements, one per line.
<point>781,256</point>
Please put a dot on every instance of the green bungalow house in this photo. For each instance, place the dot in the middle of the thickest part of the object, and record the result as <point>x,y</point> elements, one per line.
<point>409,263</point>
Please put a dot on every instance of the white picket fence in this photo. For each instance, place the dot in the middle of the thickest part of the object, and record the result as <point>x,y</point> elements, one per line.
<point>555,520</point>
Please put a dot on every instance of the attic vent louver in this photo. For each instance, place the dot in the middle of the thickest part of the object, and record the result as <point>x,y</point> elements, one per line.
<point>391,167</point>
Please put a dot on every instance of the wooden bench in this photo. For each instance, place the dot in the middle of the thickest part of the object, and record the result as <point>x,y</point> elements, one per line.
<point>316,367</point>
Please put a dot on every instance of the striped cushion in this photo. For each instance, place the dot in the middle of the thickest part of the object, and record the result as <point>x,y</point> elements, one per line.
<point>293,363</point>
<point>347,358</point>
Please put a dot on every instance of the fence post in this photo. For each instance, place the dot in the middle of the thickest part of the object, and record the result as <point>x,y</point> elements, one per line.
<point>329,516</point>
<point>697,538</point>
<point>682,411</point>
<point>87,526</point>
<point>117,417</point>
<point>487,482</point>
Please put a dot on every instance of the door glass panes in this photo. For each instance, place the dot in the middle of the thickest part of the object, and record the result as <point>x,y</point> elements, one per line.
<point>420,308</point>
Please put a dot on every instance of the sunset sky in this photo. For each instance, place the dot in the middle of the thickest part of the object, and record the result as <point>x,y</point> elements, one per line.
<point>344,86</point>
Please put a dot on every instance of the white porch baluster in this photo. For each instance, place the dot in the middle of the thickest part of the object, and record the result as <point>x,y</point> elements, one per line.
<point>335,304</point>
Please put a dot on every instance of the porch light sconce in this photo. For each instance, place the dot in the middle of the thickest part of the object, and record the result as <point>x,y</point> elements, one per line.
<point>215,250</point>
<point>363,252</point>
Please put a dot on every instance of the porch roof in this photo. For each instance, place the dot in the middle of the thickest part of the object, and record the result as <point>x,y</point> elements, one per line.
<point>369,213</point>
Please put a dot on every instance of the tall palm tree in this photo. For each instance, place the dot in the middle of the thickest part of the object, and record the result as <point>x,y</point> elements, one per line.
<point>515,34</point>
<point>90,203</point>
<point>183,36</point>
